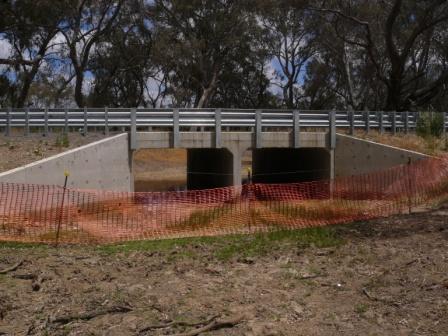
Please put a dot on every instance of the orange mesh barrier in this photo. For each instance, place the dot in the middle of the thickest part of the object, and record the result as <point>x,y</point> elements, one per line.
<point>35,213</point>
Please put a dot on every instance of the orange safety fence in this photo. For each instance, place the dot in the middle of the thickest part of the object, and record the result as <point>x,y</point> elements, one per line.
<point>42,213</point>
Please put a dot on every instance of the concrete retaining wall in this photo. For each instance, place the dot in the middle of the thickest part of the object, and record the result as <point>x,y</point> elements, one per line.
<point>102,165</point>
<point>354,156</point>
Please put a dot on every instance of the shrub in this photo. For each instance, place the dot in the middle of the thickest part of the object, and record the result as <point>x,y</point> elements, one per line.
<point>430,124</point>
<point>62,141</point>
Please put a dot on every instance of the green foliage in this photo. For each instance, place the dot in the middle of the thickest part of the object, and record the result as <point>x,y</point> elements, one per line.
<point>361,308</point>
<point>430,124</point>
<point>62,141</point>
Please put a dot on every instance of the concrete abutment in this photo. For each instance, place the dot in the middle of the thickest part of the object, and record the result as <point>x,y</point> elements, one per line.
<point>107,164</point>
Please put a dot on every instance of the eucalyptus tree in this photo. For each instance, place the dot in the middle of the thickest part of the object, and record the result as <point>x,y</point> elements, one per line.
<point>121,61</point>
<point>199,41</point>
<point>85,23</point>
<point>403,41</point>
<point>291,35</point>
<point>29,29</point>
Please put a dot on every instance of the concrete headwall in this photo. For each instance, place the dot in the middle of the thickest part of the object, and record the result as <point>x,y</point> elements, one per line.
<point>354,156</point>
<point>101,165</point>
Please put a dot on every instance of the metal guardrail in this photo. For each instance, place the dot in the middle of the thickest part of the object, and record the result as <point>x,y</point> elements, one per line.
<point>108,118</point>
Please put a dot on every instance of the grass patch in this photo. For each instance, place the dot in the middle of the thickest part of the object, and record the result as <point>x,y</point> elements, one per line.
<point>163,245</point>
<point>263,243</point>
<point>16,245</point>
<point>361,308</point>
<point>234,246</point>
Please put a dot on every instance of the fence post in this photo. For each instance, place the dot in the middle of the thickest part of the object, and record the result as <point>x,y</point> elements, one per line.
<point>46,121</point>
<point>8,122</point>
<point>106,121</point>
<point>218,128</point>
<point>85,121</point>
<point>258,128</point>
<point>381,122</point>
<point>296,128</point>
<point>332,129</point>
<point>176,134</point>
<point>27,121</point>
<point>61,212</point>
<point>406,122</point>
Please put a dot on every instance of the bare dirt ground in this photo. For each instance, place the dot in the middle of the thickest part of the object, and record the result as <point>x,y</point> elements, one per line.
<point>383,277</point>
<point>18,150</point>
<point>160,169</point>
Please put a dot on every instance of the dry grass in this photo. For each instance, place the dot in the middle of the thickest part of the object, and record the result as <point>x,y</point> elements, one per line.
<point>428,145</point>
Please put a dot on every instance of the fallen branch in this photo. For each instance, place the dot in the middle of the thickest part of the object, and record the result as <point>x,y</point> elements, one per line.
<point>12,268</point>
<point>91,315</point>
<point>371,297</point>
<point>214,325</point>
<point>178,324</point>
<point>26,276</point>
<point>374,298</point>
<point>311,276</point>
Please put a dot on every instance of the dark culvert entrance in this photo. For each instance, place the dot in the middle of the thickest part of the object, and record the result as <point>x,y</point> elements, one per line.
<point>209,168</point>
<point>289,165</point>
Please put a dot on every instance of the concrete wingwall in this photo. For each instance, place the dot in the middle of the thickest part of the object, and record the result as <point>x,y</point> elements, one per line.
<point>354,156</point>
<point>101,165</point>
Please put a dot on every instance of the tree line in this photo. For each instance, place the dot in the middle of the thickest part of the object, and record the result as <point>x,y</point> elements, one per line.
<point>308,54</point>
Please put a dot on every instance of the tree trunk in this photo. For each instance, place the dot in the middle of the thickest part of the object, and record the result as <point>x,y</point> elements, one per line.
<point>24,91</point>
<point>79,97</point>
<point>352,103</point>
<point>290,102</point>
<point>205,97</point>
<point>393,102</point>
<point>29,77</point>
<point>208,91</point>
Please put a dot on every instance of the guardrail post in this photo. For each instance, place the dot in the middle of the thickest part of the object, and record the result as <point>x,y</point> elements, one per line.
<point>27,121</point>
<point>394,122</point>
<point>296,128</point>
<point>46,121</point>
<point>133,128</point>
<point>406,122</point>
<point>351,116</point>
<point>106,121</point>
<point>8,122</point>
<point>381,122</point>
<point>66,120</point>
<point>258,129</point>
<point>85,121</point>
<point>367,120</point>
<point>176,134</point>
<point>218,128</point>
<point>332,129</point>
